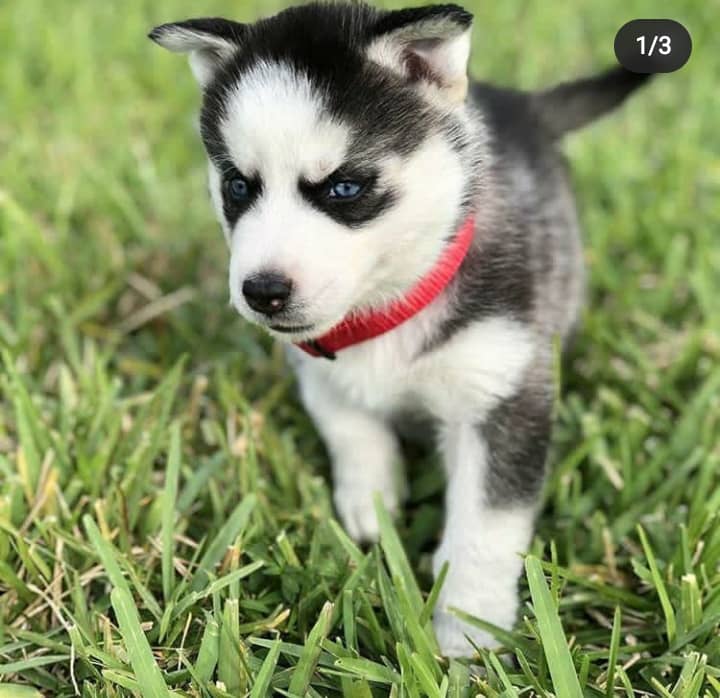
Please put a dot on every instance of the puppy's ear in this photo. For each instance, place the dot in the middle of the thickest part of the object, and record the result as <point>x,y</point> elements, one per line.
<point>426,45</point>
<point>209,42</point>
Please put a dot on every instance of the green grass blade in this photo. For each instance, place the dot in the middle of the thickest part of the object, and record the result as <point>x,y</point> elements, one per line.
<point>564,678</point>
<point>355,554</point>
<point>509,690</point>
<point>348,611</point>
<point>370,671</point>
<point>613,654</point>
<point>107,555</point>
<point>167,537</point>
<point>231,578</point>
<point>227,534</point>
<point>505,637</point>
<point>261,686</point>
<point>356,688</point>
<point>32,663</point>
<point>9,690</point>
<point>147,672</point>
<point>396,556</point>
<point>425,675</point>
<point>434,594</point>
<point>309,658</point>
<point>209,651</point>
<point>459,680</point>
<point>231,659</point>
<point>660,588</point>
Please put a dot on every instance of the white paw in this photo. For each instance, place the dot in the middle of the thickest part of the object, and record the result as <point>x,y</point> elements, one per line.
<point>454,636</point>
<point>471,587</point>
<point>356,507</point>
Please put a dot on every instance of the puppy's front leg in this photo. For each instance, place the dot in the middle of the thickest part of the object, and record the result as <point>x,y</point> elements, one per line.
<point>494,471</point>
<point>365,457</point>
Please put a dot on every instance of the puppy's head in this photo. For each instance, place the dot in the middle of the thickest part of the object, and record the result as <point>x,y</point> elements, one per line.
<point>341,156</point>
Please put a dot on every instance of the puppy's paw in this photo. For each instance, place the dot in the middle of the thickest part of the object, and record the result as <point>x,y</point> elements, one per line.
<point>490,597</point>
<point>454,636</point>
<point>356,508</point>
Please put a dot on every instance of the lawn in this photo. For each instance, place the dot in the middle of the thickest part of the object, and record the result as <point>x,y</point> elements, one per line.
<point>166,526</point>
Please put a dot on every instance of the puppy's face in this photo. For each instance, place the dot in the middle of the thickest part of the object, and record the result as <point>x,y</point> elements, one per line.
<point>338,153</point>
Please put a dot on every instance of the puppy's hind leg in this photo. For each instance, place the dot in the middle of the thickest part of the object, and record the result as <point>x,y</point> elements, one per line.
<point>494,474</point>
<point>365,457</point>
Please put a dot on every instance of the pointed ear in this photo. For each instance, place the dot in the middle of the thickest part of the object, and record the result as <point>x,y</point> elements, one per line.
<point>428,45</point>
<point>209,42</point>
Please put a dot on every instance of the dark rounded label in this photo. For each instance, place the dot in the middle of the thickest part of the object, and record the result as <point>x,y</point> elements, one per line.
<point>653,45</point>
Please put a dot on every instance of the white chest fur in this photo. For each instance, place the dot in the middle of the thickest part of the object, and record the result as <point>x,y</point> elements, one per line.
<point>460,380</point>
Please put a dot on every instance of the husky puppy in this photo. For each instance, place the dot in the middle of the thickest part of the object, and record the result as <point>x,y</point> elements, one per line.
<point>412,237</point>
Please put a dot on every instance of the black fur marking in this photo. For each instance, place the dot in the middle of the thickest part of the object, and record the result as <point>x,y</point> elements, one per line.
<point>500,274</point>
<point>367,206</point>
<point>515,126</point>
<point>392,21</point>
<point>233,209</point>
<point>517,434</point>
<point>571,105</point>
<point>493,280</point>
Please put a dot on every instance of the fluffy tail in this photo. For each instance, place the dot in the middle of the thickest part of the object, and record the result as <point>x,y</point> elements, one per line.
<point>571,105</point>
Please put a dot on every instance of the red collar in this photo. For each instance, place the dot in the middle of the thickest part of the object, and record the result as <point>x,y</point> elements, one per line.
<point>360,328</point>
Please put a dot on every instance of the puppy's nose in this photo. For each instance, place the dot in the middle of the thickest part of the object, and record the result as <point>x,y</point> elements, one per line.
<point>268,292</point>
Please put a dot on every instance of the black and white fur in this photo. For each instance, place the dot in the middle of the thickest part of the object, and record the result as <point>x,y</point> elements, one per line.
<point>342,90</point>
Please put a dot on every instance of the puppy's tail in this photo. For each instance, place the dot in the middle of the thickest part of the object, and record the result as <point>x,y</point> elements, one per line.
<point>571,105</point>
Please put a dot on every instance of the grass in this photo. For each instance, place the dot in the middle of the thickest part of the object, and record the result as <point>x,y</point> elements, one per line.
<point>165,520</point>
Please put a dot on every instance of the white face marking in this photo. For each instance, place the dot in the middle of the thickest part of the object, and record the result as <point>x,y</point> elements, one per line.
<point>275,126</point>
<point>278,129</point>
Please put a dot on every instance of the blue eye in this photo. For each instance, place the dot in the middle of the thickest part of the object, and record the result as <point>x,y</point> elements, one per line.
<point>345,190</point>
<point>238,189</point>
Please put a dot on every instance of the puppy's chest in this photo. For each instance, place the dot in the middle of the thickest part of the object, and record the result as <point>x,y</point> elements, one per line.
<point>463,377</point>
<point>383,384</point>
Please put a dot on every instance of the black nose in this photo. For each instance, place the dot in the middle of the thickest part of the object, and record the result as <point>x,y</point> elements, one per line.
<point>268,293</point>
